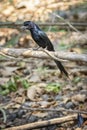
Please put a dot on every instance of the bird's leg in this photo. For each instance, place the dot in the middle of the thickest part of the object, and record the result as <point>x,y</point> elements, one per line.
<point>35,49</point>
<point>45,48</point>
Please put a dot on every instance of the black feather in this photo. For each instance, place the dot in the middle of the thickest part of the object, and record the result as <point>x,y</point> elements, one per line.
<point>43,41</point>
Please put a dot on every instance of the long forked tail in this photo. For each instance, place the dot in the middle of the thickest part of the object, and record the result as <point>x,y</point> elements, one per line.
<point>61,68</point>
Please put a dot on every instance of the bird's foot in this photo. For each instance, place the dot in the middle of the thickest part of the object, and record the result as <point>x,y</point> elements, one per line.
<point>35,49</point>
<point>45,48</point>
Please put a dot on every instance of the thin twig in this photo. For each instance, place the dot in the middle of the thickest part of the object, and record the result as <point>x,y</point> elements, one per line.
<point>10,57</point>
<point>55,110</point>
<point>41,124</point>
<point>49,54</point>
<point>51,109</point>
<point>70,25</point>
<point>4,114</point>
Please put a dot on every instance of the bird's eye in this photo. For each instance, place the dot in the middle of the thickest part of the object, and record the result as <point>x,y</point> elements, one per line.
<point>26,24</point>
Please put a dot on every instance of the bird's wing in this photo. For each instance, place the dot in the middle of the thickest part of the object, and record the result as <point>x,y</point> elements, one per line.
<point>46,41</point>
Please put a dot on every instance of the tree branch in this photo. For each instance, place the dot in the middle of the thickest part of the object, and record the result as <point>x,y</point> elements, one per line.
<point>40,124</point>
<point>3,24</point>
<point>54,110</point>
<point>16,53</point>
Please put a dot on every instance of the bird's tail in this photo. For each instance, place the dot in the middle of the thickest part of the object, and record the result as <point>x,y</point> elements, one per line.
<point>61,68</point>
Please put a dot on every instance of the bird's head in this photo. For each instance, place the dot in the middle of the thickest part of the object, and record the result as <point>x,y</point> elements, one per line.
<point>28,25</point>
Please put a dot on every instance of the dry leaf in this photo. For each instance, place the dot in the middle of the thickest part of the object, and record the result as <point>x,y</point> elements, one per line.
<point>79,98</point>
<point>40,114</point>
<point>33,92</point>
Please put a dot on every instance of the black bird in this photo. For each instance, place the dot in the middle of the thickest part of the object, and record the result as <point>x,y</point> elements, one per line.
<point>42,40</point>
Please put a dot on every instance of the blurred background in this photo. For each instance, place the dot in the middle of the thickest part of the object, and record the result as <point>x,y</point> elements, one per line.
<point>44,12</point>
<point>38,82</point>
<point>37,10</point>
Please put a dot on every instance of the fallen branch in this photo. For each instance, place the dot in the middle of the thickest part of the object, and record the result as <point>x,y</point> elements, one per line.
<point>4,114</point>
<point>79,25</point>
<point>3,24</point>
<point>1,53</point>
<point>13,52</point>
<point>40,124</point>
<point>44,24</point>
<point>53,110</point>
<point>81,70</point>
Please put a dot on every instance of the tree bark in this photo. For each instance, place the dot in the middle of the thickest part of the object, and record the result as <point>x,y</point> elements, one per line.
<point>17,53</point>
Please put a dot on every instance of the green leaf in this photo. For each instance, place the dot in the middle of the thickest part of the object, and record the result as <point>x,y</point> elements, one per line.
<point>55,87</point>
<point>4,92</point>
<point>25,84</point>
<point>77,79</point>
<point>12,84</point>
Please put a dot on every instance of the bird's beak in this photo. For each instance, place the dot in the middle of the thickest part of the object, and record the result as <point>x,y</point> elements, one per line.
<point>23,27</point>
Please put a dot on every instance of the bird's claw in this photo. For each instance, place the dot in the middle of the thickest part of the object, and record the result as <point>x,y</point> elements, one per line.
<point>35,49</point>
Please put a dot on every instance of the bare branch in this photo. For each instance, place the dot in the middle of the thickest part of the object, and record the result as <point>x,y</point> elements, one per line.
<point>13,52</point>
<point>4,114</point>
<point>55,110</point>
<point>68,23</point>
<point>3,24</point>
<point>40,124</point>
